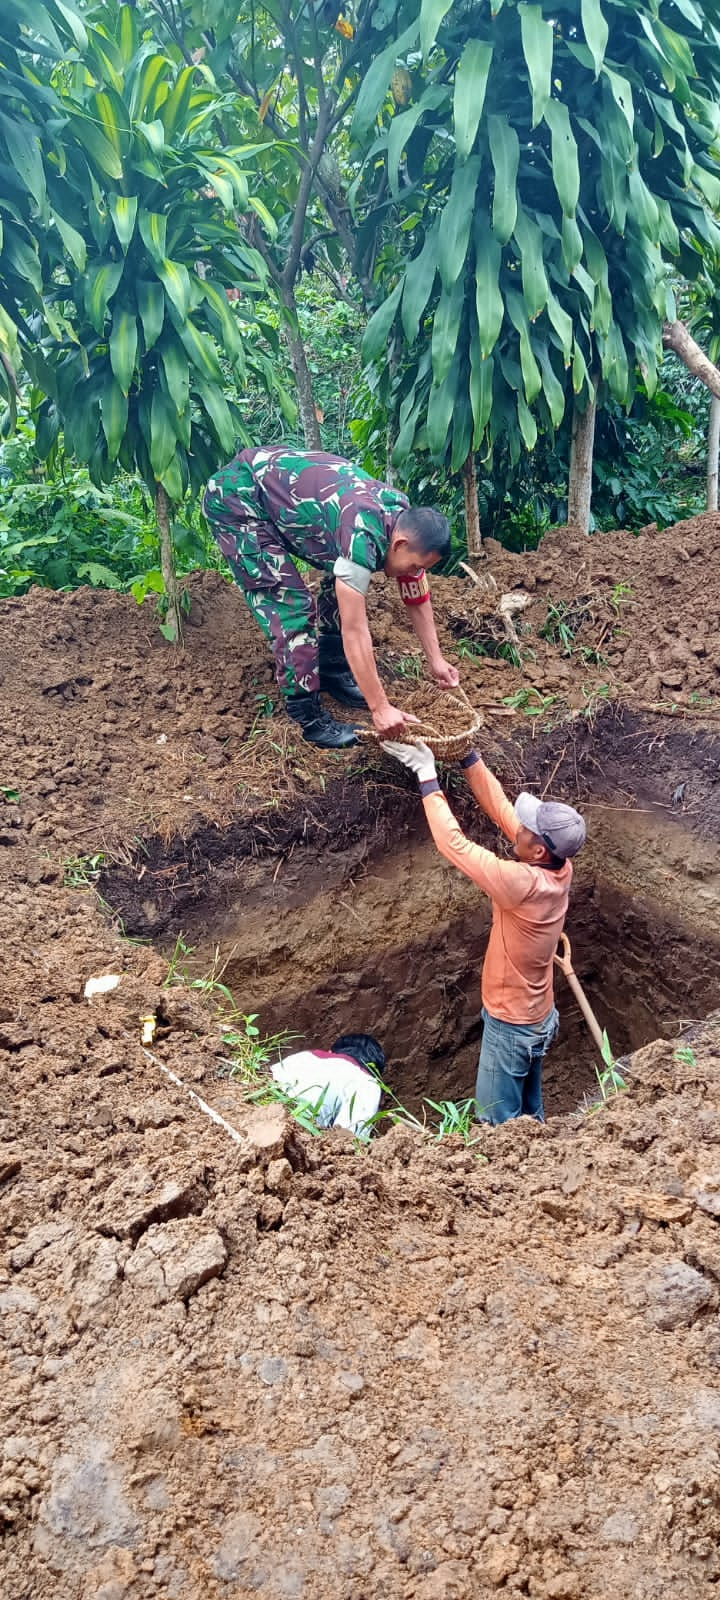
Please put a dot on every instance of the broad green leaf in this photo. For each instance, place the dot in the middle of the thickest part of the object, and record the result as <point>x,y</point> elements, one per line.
<point>446,329</point>
<point>417,285</point>
<point>47,428</point>
<point>456,221</point>
<point>580,375</point>
<point>177,371</point>
<point>218,411</point>
<point>622,95</point>
<point>101,152</point>
<point>153,71</point>
<point>23,147</point>
<point>481,391</point>
<point>100,285</point>
<point>431,16</point>
<point>73,242</point>
<point>528,425</point>
<point>377,331</point>
<point>267,219</point>
<point>537,43</point>
<point>409,413</point>
<point>488,298</point>
<point>708,184</point>
<point>175,278</point>
<point>614,363</point>
<point>100,576</point>
<point>172,482</point>
<point>534,278</point>
<point>565,164</point>
<point>74,22</point>
<point>440,410</point>
<point>562,323</point>
<point>376,82</point>
<point>572,245</point>
<point>216,298</point>
<point>103,61</point>
<point>585,283</point>
<point>598,269</point>
<point>469,98</point>
<point>462,428</point>
<point>615,185</point>
<point>174,109</point>
<point>163,432</point>
<point>676,48</point>
<point>20,253</point>
<point>403,125</point>
<point>153,231</point>
<point>113,118</point>
<point>114,415</point>
<point>128,33</point>
<point>81,420</point>
<point>552,387</point>
<point>528,365</point>
<point>667,228</point>
<point>123,348</point>
<point>123,210</point>
<point>643,209</point>
<point>595,29</point>
<point>505,152</point>
<point>154,133</point>
<point>151,305</point>
<point>200,349</point>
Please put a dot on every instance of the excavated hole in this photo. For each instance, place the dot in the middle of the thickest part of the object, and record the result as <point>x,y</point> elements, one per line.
<point>392,943</point>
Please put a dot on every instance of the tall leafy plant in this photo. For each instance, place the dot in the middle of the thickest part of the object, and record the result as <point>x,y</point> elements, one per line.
<point>546,162</point>
<point>139,338</point>
<point>33,41</point>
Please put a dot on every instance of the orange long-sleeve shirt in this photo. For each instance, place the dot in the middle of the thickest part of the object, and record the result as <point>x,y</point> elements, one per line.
<point>529,904</point>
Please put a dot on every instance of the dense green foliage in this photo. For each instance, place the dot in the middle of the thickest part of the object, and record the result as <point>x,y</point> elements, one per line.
<point>545,164</point>
<point>201,206</point>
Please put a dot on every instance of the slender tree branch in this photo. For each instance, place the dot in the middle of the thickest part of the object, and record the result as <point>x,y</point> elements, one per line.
<point>303,197</point>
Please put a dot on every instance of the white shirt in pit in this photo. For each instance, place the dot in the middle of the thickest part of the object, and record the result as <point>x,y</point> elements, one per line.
<point>340,1093</point>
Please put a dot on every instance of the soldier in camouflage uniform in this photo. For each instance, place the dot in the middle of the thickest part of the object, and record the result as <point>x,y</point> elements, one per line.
<point>267,506</point>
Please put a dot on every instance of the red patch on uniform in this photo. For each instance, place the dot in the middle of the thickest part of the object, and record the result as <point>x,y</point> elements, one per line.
<point>414,591</point>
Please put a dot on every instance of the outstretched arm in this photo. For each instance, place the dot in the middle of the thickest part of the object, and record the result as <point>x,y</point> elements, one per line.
<point>506,882</point>
<point>423,623</point>
<point>490,795</point>
<point>359,650</point>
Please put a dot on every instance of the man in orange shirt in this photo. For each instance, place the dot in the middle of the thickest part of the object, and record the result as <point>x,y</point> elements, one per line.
<point>529,901</point>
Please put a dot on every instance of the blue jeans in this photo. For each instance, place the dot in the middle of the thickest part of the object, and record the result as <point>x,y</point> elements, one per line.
<point>509,1079</point>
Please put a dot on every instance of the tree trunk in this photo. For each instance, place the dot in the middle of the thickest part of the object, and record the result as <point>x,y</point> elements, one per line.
<point>173,620</point>
<point>676,337</point>
<point>582,443</point>
<point>303,380</point>
<point>472,509</point>
<point>713,452</point>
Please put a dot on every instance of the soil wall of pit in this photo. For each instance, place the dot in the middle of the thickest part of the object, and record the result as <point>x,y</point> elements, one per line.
<point>393,945</point>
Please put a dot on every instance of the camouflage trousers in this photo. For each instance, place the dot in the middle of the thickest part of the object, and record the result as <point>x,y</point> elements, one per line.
<point>261,563</point>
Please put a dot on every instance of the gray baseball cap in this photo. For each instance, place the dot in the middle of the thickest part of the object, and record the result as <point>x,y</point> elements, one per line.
<point>560,827</point>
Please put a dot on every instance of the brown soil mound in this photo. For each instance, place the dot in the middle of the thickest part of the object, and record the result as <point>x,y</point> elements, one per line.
<point>266,1364</point>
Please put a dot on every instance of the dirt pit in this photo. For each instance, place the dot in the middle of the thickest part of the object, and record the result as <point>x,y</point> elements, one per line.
<point>393,943</point>
<point>242,1361</point>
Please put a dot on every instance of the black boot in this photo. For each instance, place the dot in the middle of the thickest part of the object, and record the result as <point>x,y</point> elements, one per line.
<point>335,675</point>
<point>318,726</point>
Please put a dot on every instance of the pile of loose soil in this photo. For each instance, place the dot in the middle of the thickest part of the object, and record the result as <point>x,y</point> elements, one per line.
<point>252,1362</point>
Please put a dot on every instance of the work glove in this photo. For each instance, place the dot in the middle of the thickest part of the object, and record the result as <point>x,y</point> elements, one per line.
<point>418,758</point>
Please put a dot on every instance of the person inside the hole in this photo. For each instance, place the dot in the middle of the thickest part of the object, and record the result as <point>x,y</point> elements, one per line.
<point>529,902</point>
<point>267,507</point>
<point>341,1087</point>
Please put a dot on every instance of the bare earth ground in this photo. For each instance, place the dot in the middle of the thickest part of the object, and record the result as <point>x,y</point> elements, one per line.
<point>271,1365</point>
